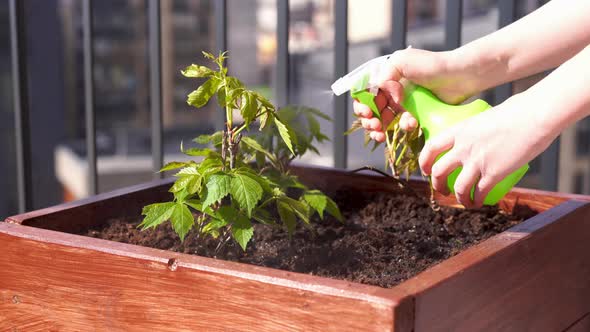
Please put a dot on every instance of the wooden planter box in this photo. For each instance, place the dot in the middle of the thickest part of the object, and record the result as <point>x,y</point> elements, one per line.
<point>533,277</point>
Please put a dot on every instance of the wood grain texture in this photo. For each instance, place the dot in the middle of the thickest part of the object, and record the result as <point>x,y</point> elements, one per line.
<point>332,180</point>
<point>581,325</point>
<point>72,284</point>
<point>534,277</point>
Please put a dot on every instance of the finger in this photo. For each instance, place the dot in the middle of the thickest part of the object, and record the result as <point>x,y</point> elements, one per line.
<point>386,118</point>
<point>482,189</point>
<point>465,182</point>
<point>380,100</point>
<point>362,110</point>
<point>433,147</point>
<point>374,124</point>
<point>393,91</point>
<point>441,169</point>
<point>407,122</point>
<point>378,136</point>
<point>365,123</point>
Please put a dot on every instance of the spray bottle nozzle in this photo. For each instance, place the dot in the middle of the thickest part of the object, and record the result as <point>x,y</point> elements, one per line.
<point>361,78</point>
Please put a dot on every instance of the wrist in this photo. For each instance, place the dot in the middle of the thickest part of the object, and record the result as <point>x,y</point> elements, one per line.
<point>482,66</point>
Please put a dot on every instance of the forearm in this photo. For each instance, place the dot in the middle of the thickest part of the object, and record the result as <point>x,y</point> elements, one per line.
<point>565,93</point>
<point>539,41</point>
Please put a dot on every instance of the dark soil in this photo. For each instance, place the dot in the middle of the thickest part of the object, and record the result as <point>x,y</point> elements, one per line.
<point>384,240</point>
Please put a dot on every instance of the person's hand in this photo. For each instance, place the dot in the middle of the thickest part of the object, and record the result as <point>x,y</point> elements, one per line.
<point>489,146</point>
<point>447,74</point>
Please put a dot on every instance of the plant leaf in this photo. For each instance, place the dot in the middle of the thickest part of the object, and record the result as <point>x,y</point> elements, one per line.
<point>201,96</point>
<point>263,216</point>
<point>197,152</point>
<point>249,107</point>
<point>182,220</point>
<point>156,214</point>
<point>246,191</point>
<point>252,143</point>
<point>218,187</point>
<point>285,133</point>
<point>173,165</point>
<point>264,118</point>
<point>214,225</point>
<point>242,231</point>
<point>181,183</point>
<point>317,200</point>
<point>333,209</point>
<point>300,208</point>
<point>287,216</point>
<point>197,71</point>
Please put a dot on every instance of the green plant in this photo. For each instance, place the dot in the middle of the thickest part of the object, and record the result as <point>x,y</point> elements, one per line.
<point>402,148</point>
<point>241,178</point>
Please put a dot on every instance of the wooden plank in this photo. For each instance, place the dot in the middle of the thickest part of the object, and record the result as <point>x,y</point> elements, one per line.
<point>581,325</point>
<point>332,180</point>
<point>92,284</point>
<point>94,210</point>
<point>116,269</point>
<point>533,277</point>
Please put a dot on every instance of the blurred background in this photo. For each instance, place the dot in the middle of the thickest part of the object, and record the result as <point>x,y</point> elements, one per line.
<point>121,78</point>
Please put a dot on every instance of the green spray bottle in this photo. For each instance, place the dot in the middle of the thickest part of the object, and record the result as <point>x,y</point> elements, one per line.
<point>433,115</point>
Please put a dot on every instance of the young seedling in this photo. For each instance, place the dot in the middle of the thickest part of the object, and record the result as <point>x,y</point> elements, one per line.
<point>402,148</point>
<point>242,178</point>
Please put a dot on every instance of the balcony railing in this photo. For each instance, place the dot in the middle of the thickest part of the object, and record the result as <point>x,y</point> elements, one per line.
<point>453,22</point>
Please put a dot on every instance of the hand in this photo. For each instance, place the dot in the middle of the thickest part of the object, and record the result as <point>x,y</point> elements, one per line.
<point>446,74</point>
<point>489,146</point>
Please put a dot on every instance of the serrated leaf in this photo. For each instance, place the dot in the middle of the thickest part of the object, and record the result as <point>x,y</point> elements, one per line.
<point>252,143</point>
<point>173,165</point>
<point>197,152</point>
<point>249,107</point>
<point>263,216</point>
<point>221,97</point>
<point>218,186</point>
<point>285,134</point>
<point>191,170</point>
<point>317,200</point>
<point>265,118</point>
<point>241,228</point>
<point>333,209</point>
<point>181,183</point>
<point>214,225</point>
<point>195,204</point>
<point>298,207</point>
<point>201,96</point>
<point>156,214</point>
<point>208,55</point>
<point>210,165</point>
<point>197,71</point>
<point>287,216</point>
<point>182,220</point>
<point>246,191</point>
<point>242,233</point>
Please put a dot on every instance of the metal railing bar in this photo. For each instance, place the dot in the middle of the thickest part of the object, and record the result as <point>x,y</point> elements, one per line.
<point>340,69</point>
<point>282,83</point>
<point>399,24</point>
<point>453,22</point>
<point>89,96</point>
<point>155,54</point>
<point>507,9</point>
<point>22,129</point>
<point>220,13</point>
